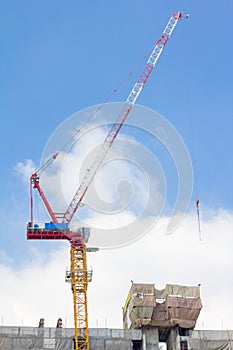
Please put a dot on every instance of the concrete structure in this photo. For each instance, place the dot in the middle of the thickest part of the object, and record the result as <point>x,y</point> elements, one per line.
<point>148,338</point>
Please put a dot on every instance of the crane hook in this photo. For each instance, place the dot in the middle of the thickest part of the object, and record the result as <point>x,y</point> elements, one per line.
<point>198,218</point>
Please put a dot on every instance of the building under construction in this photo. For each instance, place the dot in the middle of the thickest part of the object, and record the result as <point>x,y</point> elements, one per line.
<point>150,317</point>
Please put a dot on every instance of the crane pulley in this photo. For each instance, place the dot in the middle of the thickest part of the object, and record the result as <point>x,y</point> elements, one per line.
<point>58,228</point>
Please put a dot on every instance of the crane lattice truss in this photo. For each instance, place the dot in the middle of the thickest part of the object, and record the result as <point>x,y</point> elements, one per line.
<point>78,275</point>
<point>79,279</point>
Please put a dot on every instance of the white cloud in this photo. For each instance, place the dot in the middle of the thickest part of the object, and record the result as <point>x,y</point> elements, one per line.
<point>36,290</point>
<point>123,183</point>
<point>39,290</point>
<point>25,169</point>
<point>178,258</point>
<point>4,258</point>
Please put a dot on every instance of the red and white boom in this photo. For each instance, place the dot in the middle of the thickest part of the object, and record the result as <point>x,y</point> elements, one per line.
<point>113,132</point>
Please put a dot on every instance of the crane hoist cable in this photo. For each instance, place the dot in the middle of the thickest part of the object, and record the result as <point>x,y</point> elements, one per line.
<point>192,148</point>
<point>198,219</point>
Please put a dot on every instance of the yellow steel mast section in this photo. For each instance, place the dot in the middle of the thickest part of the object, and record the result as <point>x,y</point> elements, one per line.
<point>79,280</point>
<point>79,276</point>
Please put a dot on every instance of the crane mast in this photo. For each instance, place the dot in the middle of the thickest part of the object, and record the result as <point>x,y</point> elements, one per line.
<point>79,275</point>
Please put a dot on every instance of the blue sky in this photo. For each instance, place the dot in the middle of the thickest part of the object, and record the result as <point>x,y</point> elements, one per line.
<point>58,58</point>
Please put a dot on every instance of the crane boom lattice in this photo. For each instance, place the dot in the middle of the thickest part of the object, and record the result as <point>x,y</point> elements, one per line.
<point>117,125</point>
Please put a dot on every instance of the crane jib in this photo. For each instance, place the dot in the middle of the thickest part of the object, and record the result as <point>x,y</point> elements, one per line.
<point>112,134</point>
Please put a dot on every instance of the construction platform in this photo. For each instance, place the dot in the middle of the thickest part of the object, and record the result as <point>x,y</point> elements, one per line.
<point>175,305</point>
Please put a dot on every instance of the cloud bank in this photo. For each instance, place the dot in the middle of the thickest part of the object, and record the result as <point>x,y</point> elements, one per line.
<point>38,288</point>
<point>124,208</point>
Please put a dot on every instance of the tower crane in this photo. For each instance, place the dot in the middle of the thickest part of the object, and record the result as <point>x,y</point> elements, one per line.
<point>59,227</point>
